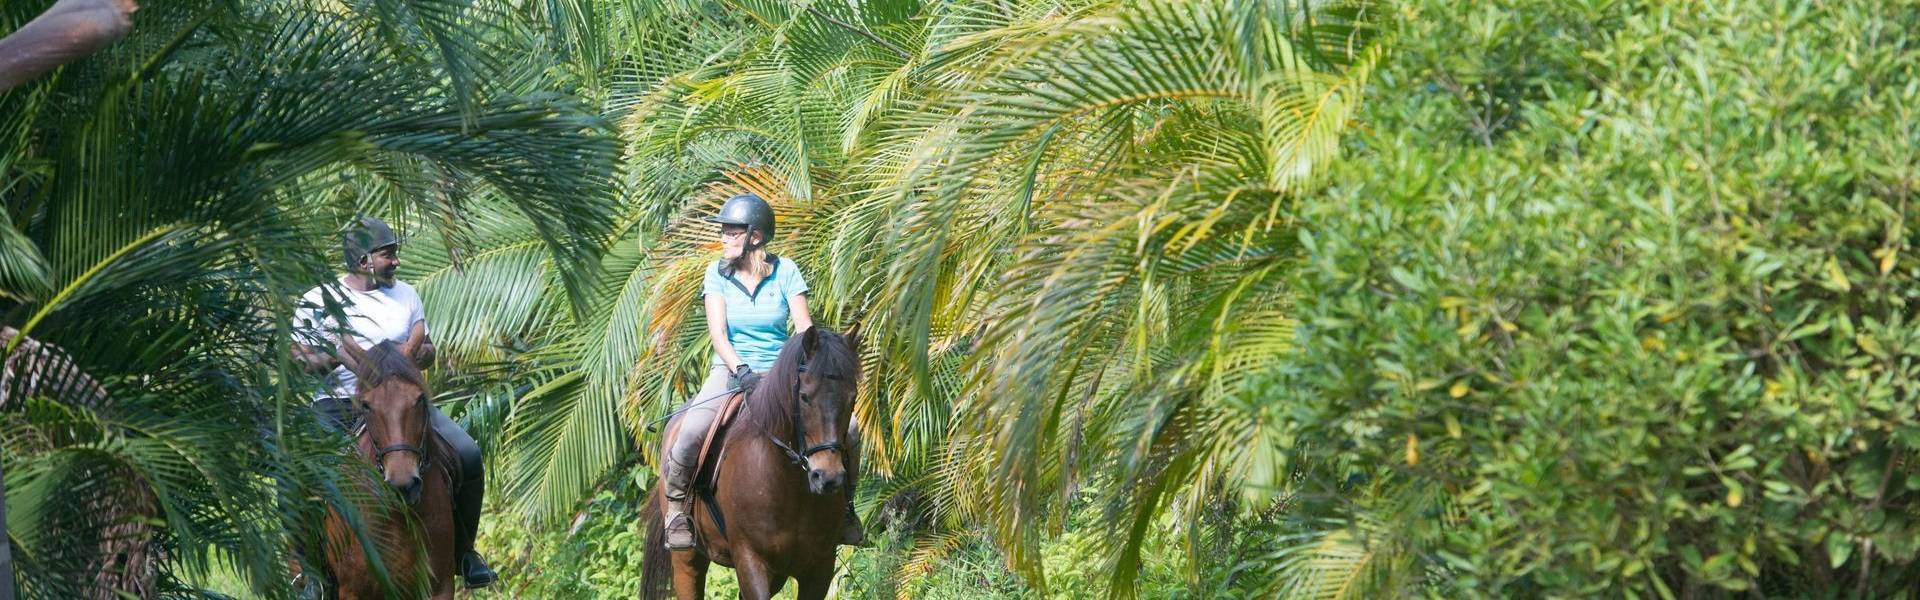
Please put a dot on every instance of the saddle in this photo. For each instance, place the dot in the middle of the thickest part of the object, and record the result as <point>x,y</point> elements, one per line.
<point>709,446</point>
<point>707,462</point>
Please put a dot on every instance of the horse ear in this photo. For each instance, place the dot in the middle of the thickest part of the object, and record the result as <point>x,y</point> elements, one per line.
<point>351,354</point>
<point>853,337</point>
<point>810,342</point>
<point>411,346</point>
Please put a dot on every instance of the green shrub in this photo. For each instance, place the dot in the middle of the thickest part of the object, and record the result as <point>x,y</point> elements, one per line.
<point>1624,289</point>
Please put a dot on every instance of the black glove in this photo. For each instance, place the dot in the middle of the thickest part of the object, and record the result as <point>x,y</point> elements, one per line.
<point>744,379</point>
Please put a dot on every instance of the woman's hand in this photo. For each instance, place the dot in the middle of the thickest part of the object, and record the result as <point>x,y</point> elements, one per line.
<point>744,379</point>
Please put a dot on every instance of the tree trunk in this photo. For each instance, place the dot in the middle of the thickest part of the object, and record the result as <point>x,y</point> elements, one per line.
<point>6,546</point>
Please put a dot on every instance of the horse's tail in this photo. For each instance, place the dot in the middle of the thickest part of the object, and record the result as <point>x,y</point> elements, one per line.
<point>656,563</point>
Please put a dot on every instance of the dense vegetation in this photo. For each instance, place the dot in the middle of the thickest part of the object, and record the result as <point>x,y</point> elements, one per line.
<point>1615,298</point>
<point>1171,298</point>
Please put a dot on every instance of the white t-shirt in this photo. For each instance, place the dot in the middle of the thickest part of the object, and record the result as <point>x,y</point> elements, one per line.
<point>374,316</point>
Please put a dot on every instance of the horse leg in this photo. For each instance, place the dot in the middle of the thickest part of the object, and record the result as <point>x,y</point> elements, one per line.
<point>757,581</point>
<point>813,586</point>
<point>689,576</point>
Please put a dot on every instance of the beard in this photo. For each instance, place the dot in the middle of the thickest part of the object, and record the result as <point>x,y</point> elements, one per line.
<point>385,276</point>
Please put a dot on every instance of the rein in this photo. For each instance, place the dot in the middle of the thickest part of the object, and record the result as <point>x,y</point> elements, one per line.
<point>799,430</point>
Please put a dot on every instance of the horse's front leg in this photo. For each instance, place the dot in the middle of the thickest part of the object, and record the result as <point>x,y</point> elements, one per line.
<point>813,586</point>
<point>757,580</point>
<point>689,575</point>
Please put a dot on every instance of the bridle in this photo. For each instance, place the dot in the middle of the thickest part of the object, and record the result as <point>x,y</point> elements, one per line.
<point>380,455</point>
<point>799,430</point>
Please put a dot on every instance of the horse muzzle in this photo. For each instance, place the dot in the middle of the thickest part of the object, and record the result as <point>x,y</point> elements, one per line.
<point>822,481</point>
<point>410,490</point>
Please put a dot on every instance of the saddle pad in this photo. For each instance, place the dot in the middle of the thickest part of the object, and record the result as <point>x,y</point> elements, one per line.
<point>715,431</point>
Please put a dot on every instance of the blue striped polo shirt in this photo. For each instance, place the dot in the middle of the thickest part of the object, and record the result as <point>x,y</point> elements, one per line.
<point>757,319</point>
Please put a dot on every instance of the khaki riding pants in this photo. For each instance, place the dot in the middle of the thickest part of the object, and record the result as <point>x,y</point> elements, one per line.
<point>695,417</point>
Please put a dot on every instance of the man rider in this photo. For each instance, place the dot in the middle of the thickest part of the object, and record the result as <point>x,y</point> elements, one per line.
<point>379,307</point>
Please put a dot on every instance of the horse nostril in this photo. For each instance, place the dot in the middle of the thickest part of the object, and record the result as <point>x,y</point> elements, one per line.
<point>814,475</point>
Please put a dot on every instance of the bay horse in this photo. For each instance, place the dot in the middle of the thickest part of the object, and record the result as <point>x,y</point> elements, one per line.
<point>414,540</point>
<point>781,481</point>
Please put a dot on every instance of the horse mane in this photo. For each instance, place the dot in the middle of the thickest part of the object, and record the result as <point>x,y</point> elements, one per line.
<point>767,408</point>
<point>386,361</point>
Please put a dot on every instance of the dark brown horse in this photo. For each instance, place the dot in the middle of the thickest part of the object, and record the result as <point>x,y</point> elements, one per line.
<point>781,483</point>
<point>414,541</point>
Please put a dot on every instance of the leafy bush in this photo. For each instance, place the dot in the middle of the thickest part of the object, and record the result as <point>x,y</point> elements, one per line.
<point>1619,293</point>
<point>596,555</point>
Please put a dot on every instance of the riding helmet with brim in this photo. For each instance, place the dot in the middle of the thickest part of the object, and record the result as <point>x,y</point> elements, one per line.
<point>749,211</point>
<point>364,237</point>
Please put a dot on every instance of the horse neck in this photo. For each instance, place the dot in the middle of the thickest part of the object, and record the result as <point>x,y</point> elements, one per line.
<point>766,412</point>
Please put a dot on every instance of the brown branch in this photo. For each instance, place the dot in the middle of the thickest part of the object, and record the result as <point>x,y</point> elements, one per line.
<point>68,31</point>
<point>882,42</point>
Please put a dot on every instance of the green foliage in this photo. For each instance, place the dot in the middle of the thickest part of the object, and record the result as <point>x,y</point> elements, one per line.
<point>1620,291</point>
<point>596,556</point>
<point>1603,297</point>
<point>168,199</point>
<point>1025,206</point>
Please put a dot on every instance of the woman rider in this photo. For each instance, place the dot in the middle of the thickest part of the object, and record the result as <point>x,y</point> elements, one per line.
<point>750,294</point>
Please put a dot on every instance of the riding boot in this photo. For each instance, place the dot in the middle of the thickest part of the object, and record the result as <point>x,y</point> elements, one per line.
<point>466,526</point>
<point>469,489</point>
<point>851,533</point>
<point>679,524</point>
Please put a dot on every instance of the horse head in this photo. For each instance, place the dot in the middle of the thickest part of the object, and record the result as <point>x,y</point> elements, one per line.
<point>393,396</point>
<point>825,384</point>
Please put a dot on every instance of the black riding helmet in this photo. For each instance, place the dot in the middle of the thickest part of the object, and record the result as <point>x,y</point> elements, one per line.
<point>751,212</point>
<point>363,237</point>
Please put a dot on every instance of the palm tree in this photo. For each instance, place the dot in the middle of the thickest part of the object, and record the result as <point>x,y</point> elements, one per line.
<point>168,199</point>
<point>1065,221</point>
<point>1124,314</point>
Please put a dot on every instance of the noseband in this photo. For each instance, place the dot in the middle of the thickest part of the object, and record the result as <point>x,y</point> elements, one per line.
<point>800,431</point>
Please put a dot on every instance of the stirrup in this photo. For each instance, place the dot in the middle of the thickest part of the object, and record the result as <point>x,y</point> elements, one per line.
<point>679,531</point>
<point>475,571</point>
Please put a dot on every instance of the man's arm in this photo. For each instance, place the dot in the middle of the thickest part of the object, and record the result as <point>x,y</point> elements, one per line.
<point>313,360</point>
<point>422,356</point>
<point>68,31</point>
